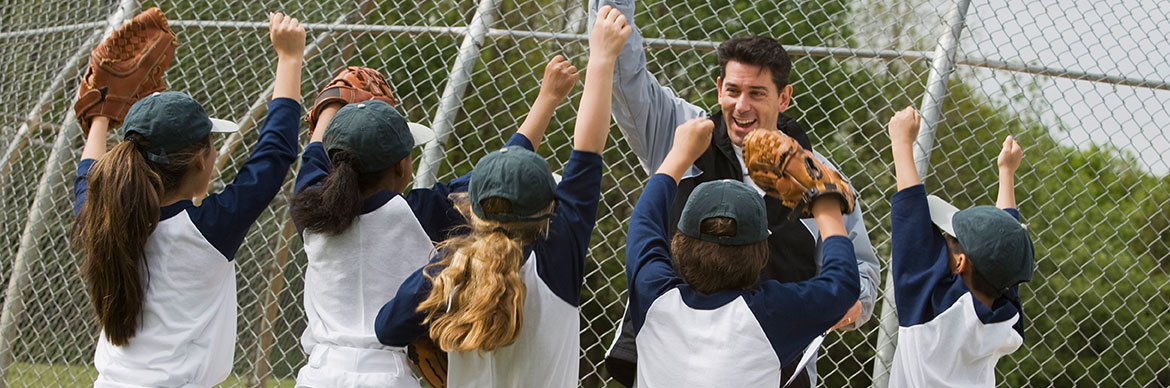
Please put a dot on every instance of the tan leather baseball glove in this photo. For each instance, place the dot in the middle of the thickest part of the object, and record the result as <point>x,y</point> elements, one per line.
<point>792,174</point>
<point>126,67</point>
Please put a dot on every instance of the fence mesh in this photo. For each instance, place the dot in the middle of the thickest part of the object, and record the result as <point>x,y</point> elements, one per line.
<point>1093,187</point>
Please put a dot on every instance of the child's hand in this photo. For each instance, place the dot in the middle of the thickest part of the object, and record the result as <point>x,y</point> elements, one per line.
<point>904,126</point>
<point>1010,157</point>
<point>287,34</point>
<point>560,77</point>
<point>692,138</point>
<point>610,31</point>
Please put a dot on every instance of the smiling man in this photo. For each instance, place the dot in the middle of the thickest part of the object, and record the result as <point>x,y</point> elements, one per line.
<point>754,92</point>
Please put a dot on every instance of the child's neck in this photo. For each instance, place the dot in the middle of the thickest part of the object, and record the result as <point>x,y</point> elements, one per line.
<point>986,300</point>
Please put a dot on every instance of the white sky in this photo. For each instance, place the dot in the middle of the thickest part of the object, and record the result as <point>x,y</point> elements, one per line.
<point>1115,37</point>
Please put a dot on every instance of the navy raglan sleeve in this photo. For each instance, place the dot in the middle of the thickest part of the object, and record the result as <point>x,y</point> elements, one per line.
<point>315,166</point>
<point>1014,293</point>
<point>224,218</point>
<point>792,314</point>
<point>649,271</point>
<point>923,283</point>
<point>561,256</point>
<point>81,185</point>
<point>398,323</point>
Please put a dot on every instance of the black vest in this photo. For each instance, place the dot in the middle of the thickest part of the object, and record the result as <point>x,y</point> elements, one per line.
<point>792,248</point>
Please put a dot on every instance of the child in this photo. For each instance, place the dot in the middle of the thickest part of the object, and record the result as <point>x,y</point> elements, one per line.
<point>701,316</point>
<point>361,236</point>
<point>158,268</point>
<point>503,299</point>
<point>955,285</point>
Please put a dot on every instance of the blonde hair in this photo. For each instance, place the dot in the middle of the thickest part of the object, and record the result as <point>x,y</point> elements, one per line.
<point>477,300</point>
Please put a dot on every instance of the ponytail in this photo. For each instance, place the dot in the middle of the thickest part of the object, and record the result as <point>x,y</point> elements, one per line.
<point>117,218</point>
<point>331,207</point>
<point>477,300</point>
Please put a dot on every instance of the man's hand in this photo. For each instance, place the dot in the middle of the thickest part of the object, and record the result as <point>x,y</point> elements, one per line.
<point>610,31</point>
<point>287,34</point>
<point>851,316</point>
<point>1010,157</point>
<point>691,139</point>
<point>904,126</point>
<point>560,77</point>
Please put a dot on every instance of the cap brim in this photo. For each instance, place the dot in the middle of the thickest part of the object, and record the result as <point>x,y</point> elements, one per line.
<point>941,213</point>
<point>223,126</point>
<point>422,134</point>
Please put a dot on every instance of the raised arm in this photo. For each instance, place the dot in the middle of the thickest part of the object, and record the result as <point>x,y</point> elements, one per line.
<point>646,112</point>
<point>605,42</point>
<point>1008,161</point>
<point>903,129</point>
<point>288,38</point>
<point>559,78</point>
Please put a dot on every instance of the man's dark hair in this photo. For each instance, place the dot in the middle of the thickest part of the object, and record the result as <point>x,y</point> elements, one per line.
<point>760,51</point>
<point>977,281</point>
<point>712,267</point>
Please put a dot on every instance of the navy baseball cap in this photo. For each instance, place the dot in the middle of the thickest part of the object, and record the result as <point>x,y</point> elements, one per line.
<point>517,175</point>
<point>997,244</point>
<point>726,198</point>
<point>170,121</point>
<point>375,134</point>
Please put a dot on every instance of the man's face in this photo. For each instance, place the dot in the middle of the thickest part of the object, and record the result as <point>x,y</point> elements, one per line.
<point>750,99</point>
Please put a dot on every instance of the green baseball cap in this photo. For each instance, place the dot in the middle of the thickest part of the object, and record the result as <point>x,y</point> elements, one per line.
<point>170,121</point>
<point>517,175</point>
<point>997,244</point>
<point>726,198</point>
<point>375,134</point>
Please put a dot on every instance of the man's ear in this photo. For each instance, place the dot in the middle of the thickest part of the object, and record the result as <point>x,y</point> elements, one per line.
<point>785,98</point>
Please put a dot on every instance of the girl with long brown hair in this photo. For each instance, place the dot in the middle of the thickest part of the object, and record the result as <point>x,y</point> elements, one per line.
<point>503,299</point>
<point>158,268</point>
<point>363,233</point>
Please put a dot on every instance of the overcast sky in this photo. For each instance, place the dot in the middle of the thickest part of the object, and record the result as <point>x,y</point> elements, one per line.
<point>1115,37</point>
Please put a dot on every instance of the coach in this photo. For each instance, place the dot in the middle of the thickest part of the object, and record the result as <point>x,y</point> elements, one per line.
<point>753,93</point>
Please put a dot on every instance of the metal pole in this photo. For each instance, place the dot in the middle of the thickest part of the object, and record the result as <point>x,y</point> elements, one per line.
<point>941,67</point>
<point>35,226</point>
<point>451,101</point>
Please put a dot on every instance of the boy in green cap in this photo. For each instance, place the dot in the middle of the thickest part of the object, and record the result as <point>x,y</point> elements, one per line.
<point>701,315</point>
<point>955,274</point>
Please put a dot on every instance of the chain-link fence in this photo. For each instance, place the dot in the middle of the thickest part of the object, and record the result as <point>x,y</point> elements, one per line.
<point>1083,86</point>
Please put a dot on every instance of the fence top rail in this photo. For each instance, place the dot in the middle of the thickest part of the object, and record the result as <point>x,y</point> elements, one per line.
<point>657,43</point>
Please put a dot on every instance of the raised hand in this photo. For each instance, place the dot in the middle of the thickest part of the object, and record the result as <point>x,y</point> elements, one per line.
<point>691,139</point>
<point>288,38</point>
<point>1010,157</point>
<point>610,31</point>
<point>287,34</point>
<point>560,77</point>
<point>903,126</point>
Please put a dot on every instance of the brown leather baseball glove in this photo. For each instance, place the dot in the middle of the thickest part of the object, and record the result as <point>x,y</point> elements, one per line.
<point>126,67</point>
<point>430,361</point>
<point>353,84</point>
<point>792,174</point>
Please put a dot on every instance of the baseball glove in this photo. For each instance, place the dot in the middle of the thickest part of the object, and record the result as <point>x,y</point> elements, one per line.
<point>353,84</point>
<point>430,361</point>
<point>792,174</point>
<point>125,67</point>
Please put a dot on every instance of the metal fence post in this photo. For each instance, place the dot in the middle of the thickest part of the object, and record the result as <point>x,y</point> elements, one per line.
<point>35,226</point>
<point>941,67</point>
<point>451,101</point>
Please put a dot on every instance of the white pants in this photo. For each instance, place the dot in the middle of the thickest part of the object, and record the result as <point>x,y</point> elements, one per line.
<point>337,367</point>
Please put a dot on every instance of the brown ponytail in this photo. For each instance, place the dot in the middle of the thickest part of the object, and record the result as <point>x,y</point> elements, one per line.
<point>481,281</point>
<point>331,207</point>
<point>117,218</point>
